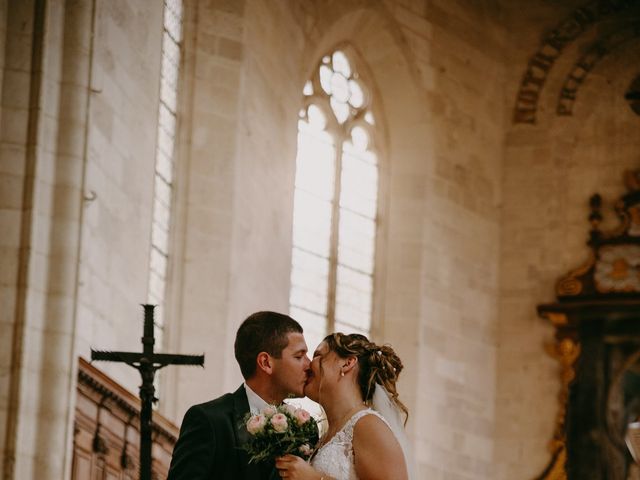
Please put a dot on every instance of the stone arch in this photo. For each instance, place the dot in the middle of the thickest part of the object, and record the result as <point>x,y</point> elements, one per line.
<point>615,72</point>
<point>599,50</point>
<point>610,74</point>
<point>405,161</point>
<point>552,47</point>
<point>381,49</point>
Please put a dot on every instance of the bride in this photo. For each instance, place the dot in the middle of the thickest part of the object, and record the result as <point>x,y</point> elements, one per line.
<point>355,382</point>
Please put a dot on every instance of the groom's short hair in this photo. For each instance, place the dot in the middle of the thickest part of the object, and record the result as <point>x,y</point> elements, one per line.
<point>262,332</point>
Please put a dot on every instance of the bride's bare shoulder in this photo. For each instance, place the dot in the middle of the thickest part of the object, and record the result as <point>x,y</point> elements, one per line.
<point>377,453</point>
<point>371,424</point>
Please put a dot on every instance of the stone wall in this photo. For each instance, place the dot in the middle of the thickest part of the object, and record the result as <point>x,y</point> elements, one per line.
<point>461,242</point>
<point>238,158</point>
<point>118,184</point>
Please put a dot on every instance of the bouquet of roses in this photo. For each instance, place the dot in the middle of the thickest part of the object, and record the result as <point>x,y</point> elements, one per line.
<point>281,430</point>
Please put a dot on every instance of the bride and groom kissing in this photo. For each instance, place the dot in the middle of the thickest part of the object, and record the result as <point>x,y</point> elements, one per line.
<point>353,379</point>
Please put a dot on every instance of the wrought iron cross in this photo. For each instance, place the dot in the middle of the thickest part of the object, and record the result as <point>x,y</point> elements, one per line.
<point>147,363</point>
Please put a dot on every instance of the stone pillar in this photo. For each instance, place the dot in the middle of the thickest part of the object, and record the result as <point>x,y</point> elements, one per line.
<point>51,149</point>
<point>17,178</point>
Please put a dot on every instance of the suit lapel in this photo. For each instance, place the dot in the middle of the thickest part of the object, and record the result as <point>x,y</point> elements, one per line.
<point>241,408</point>
<point>263,470</point>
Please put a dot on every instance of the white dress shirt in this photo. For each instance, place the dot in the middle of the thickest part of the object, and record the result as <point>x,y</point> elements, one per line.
<point>256,403</point>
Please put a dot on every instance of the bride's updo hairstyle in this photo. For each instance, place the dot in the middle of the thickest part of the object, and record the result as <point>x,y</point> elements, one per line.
<point>377,364</point>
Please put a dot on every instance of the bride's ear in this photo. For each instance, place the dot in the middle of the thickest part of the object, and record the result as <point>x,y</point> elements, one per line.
<point>349,364</point>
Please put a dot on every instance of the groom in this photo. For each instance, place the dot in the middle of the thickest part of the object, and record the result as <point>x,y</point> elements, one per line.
<point>272,355</point>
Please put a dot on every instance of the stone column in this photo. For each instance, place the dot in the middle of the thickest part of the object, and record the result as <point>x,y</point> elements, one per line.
<point>53,147</point>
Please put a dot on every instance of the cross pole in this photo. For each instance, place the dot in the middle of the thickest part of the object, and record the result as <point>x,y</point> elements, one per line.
<point>147,363</point>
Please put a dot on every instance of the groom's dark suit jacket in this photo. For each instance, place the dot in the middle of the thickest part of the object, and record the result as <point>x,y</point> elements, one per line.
<point>209,444</point>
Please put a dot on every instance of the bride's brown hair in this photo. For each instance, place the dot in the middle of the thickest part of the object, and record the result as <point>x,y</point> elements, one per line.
<point>377,363</point>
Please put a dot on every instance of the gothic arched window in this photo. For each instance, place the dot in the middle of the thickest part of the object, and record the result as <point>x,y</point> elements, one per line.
<point>335,203</point>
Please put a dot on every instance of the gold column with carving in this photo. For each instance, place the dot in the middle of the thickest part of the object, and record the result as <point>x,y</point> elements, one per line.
<point>566,351</point>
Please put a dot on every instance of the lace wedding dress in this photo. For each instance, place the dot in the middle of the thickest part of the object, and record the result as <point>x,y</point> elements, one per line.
<point>335,458</point>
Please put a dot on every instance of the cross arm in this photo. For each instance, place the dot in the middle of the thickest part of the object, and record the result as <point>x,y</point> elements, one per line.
<point>174,359</point>
<point>122,357</point>
<point>161,359</point>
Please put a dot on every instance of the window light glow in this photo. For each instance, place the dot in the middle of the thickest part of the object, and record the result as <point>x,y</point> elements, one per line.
<point>335,204</point>
<point>163,185</point>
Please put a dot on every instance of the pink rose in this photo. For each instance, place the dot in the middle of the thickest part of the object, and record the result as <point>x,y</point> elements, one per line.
<point>302,416</point>
<point>256,424</point>
<point>291,409</point>
<point>279,422</point>
<point>305,450</point>
<point>269,411</point>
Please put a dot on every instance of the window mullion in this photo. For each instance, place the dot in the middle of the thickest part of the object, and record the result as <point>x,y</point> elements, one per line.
<point>333,247</point>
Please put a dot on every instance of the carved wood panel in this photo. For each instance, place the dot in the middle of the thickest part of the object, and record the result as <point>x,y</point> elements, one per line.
<point>106,431</point>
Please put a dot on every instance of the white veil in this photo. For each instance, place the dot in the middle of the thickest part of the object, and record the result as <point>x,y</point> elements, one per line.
<point>385,406</point>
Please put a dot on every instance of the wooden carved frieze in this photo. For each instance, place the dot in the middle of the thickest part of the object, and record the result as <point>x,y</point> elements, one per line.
<point>107,430</point>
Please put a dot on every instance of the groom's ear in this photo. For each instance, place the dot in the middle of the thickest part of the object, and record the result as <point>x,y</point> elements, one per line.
<point>264,362</point>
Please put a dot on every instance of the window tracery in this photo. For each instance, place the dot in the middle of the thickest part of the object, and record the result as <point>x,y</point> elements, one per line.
<point>335,202</point>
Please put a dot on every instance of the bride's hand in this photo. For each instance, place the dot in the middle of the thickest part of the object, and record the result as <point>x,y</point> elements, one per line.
<point>290,466</point>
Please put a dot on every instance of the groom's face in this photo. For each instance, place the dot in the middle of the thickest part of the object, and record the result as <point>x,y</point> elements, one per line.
<point>291,369</point>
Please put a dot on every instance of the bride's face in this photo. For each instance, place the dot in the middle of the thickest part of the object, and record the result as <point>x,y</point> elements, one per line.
<point>324,370</point>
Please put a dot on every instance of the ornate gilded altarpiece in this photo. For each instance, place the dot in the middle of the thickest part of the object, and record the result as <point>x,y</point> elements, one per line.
<point>597,344</point>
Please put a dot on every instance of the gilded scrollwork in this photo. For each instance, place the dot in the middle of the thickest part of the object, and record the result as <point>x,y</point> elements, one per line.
<point>571,284</point>
<point>558,319</point>
<point>566,351</point>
